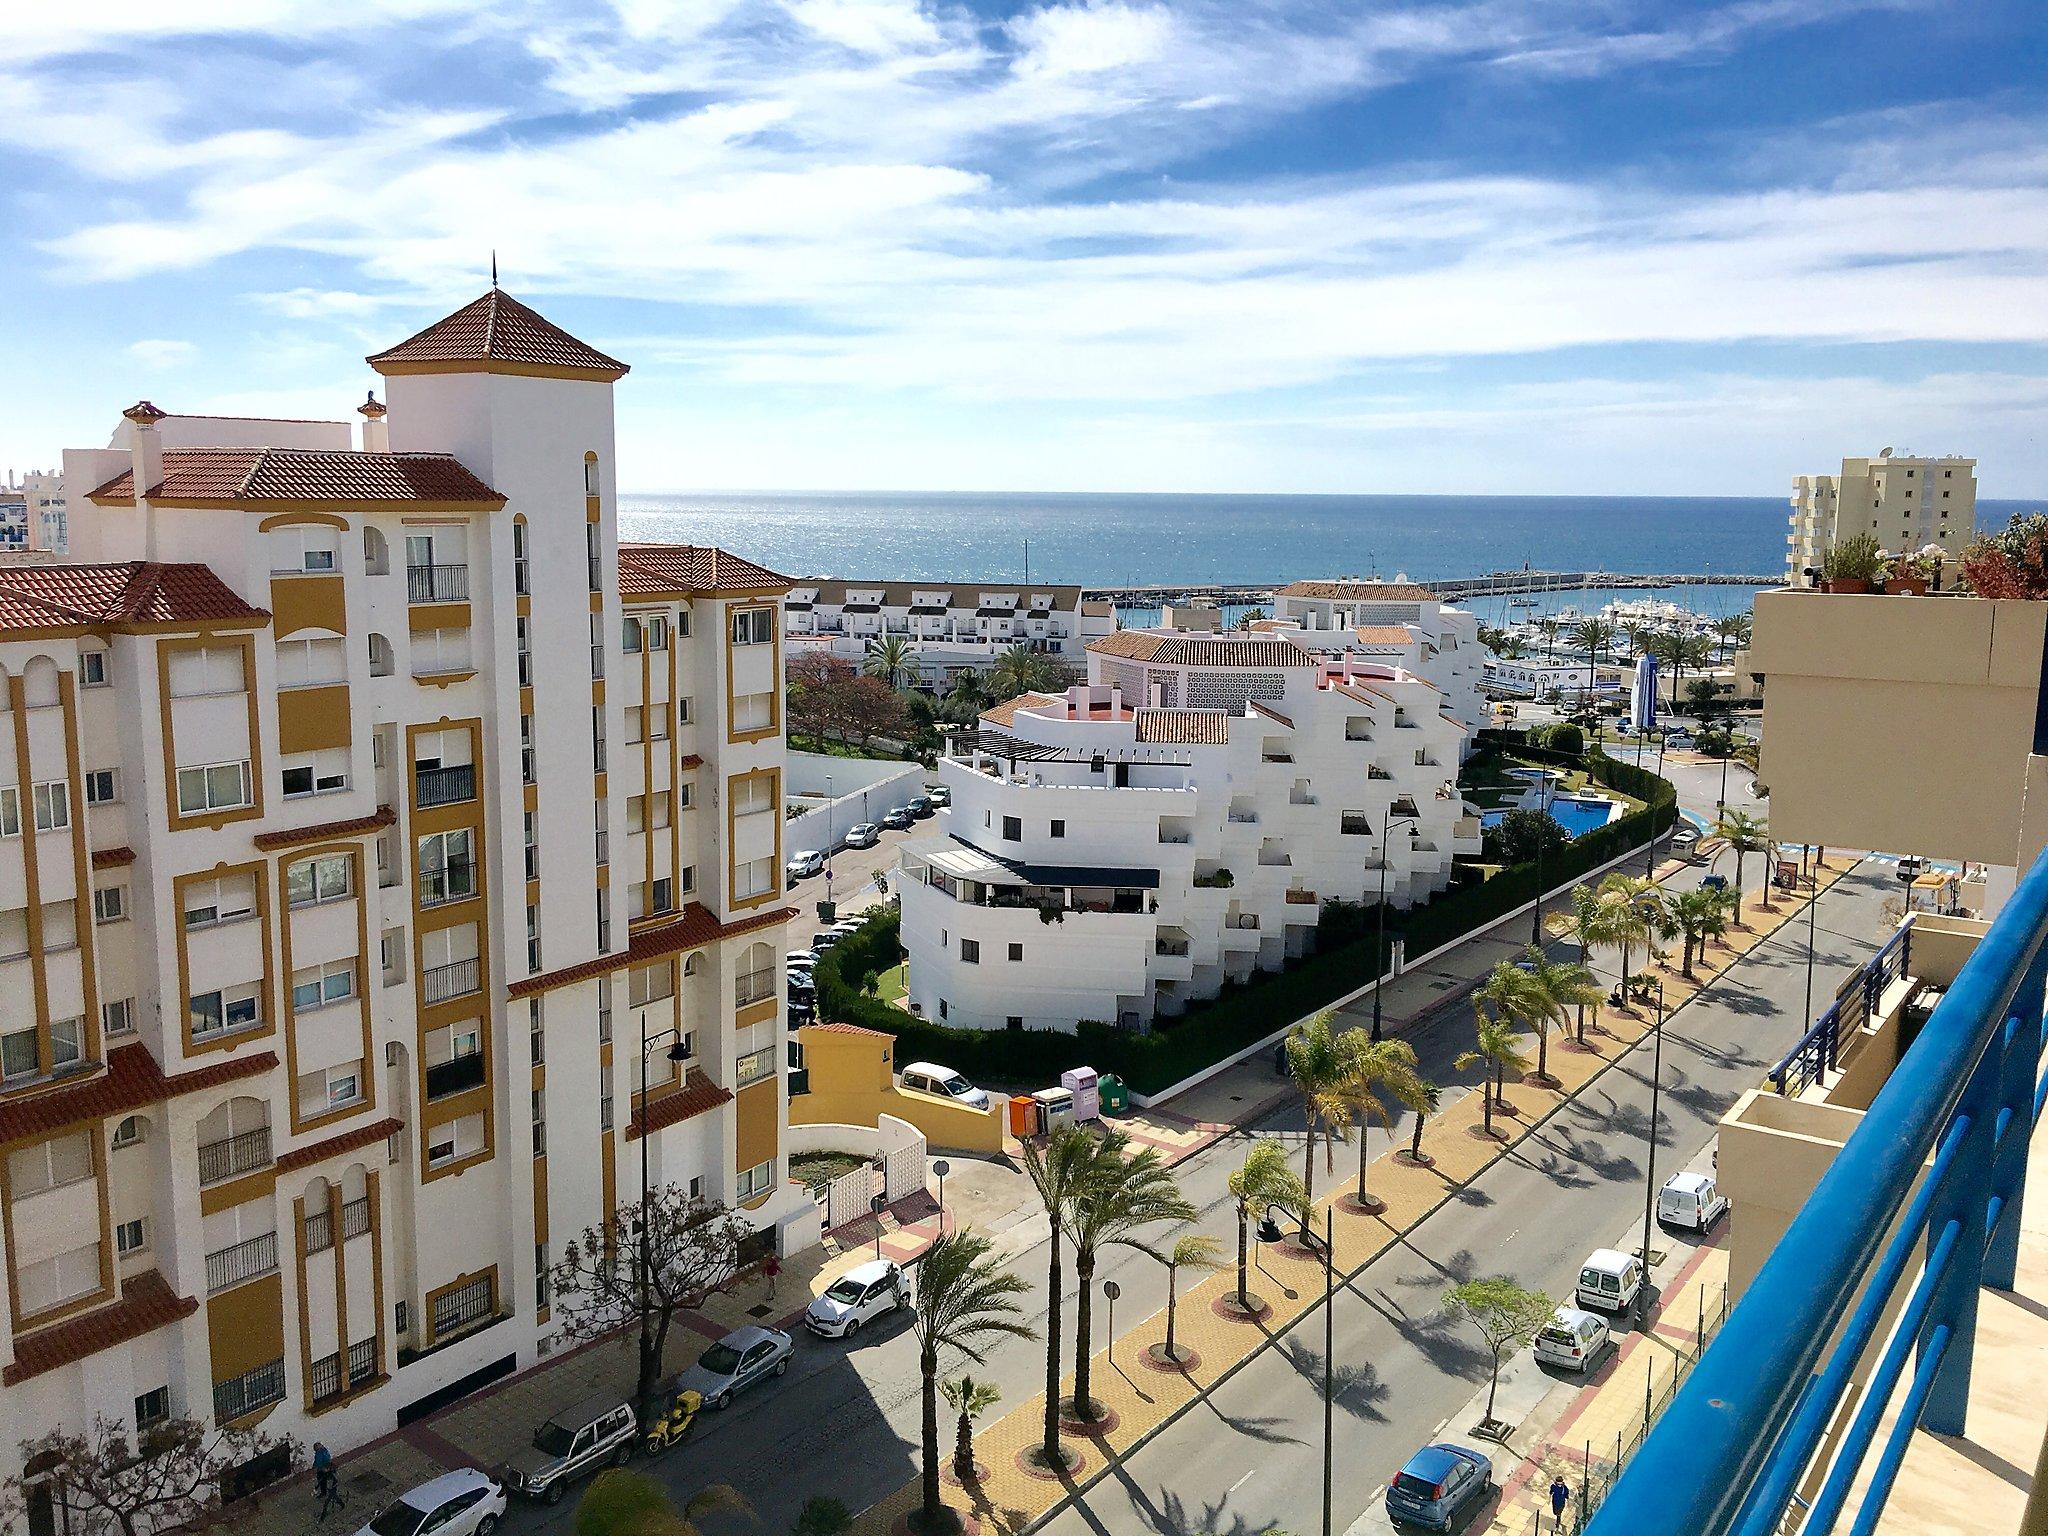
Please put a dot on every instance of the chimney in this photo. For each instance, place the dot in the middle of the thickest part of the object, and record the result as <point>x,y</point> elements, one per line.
<point>146,465</point>
<point>376,435</point>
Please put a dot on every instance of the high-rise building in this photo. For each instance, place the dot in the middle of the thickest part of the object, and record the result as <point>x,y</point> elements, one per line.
<point>1905,504</point>
<point>377,824</point>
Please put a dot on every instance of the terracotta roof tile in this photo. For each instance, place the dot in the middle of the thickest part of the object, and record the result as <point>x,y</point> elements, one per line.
<point>1176,650</point>
<point>126,592</point>
<point>694,929</point>
<point>147,1303</point>
<point>352,1140</point>
<point>1184,727</point>
<point>112,858</point>
<point>653,570</point>
<point>321,831</point>
<point>1005,713</point>
<point>1133,644</point>
<point>258,475</point>
<point>835,1027</point>
<point>1384,634</point>
<point>497,328</point>
<point>132,1079</point>
<point>1365,591</point>
<point>698,1095</point>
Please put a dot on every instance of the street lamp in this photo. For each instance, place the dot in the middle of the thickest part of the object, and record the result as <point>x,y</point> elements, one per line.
<point>1386,827</point>
<point>1650,1166</point>
<point>877,1203</point>
<point>1329,1353</point>
<point>1536,914</point>
<point>941,1167</point>
<point>678,1054</point>
<point>1812,903</point>
<point>830,841</point>
<point>1110,1291</point>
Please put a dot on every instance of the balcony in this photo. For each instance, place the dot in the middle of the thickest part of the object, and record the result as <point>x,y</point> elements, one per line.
<point>233,1156</point>
<point>438,983</point>
<point>1172,947</point>
<point>355,1221</point>
<point>457,1076</point>
<point>334,1375</point>
<point>253,1389</point>
<point>443,786</point>
<point>436,583</point>
<point>754,987</point>
<point>451,882</point>
<point>245,1261</point>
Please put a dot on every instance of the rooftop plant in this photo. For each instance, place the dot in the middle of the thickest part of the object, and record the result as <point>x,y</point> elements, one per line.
<point>1856,558</point>
<point>2012,562</point>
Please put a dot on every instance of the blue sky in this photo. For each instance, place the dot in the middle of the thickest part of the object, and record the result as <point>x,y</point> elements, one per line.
<point>1512,245</point>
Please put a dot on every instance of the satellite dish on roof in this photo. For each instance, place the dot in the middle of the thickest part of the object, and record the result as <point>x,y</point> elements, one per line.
<point>1884,453</point>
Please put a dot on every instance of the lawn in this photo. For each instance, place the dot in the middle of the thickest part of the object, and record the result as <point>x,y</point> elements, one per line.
<point>815,1170</point>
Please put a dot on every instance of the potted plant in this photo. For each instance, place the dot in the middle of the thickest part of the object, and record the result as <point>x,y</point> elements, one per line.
<point>1854,565</point>
<point>1914,575</point>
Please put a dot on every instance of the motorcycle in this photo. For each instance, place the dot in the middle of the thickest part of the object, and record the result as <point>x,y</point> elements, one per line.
<point>670,1428</point>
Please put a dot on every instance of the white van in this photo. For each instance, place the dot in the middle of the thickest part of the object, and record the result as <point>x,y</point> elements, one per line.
<point>1609,1280</point>
<point>1571,1340</point>
<point>929,1077</point>
<point>1690,1200</point>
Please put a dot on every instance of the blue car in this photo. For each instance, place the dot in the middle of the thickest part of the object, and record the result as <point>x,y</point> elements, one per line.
<point>1440,1486</point>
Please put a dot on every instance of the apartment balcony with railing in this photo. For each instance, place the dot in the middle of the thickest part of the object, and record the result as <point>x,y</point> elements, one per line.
<point>232,1156</point>
<point>336,1374</point>
<point>450,883</point>
<point>253,1389</point>
<point>447,1078</point>
<point>240,1263</point>
<point>437,583</point>
<point>443,786</point>
<point>439,983</point>
<point>355,1222</point>
<point>755,986</point>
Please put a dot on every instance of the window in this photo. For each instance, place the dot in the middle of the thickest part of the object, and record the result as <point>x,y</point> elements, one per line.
<point>753,712</point>
<point>213,787</point>
<point>755,878</point>
<point>318,773</point>
<point>970,951</point>
<point>457,1138</point>
<point>604,918</point>
<point>92,668</point>
<point>756,1180</point>
<point>593,555</point>
<point>131,1236</point>
<point>212,670</point>
<point>447,869</point>
<point>661,896</point>
<point>229,1008</point>
<point>632,635</point>
<point>320,986</point>
<point>536,1035</point>
<point>1354,824</point>
<point>526,754</point>
<point>67,1043</point>
<point>540,1123</point>
<point>687,795</point>
<point>1059,829</point>
<point>604,1095</point>
<point>945,1009</point>
<point>597,738</point>
<point>682,712</point>
<point>519,581</point>
<point>118,1017</point>
<point>153,1407</point>
<point>1013,828</point>
<point>753,626</point>
<point>312,663</point>
<point>209,903</point>
<point>331,877</point>
<point>110,904</point>
<point>590,477</point>
<point>129,1132</point>
<point>532,937</point>
<point>597,645</point>
<point>530,826</point>
<point>1016,951</point>
<point>753,794</point>
<point>333,1088</point>
<point>10,812</point>
<point>103,786</point>
<point>1013,1021</point>
<point>636,725</point>
<point>53,806</point>
<point>523,630</point>
<point>20,1056</point>
<point>50,1164</point>
<point>754,1066</point>
<point>686,880</point>
<point>39,1287</point>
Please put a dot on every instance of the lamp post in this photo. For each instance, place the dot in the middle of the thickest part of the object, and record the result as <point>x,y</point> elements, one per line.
<point>830,841</point>
<point>877,1203</point>
<point>1386,827</point>
<point>1536,913</point>
<point>1650,1161</point>
<point>1812,904</point>
<point>1329,1353</point>
<point>677,1054</point>
<point>941,1167</point>
<point>1110,1291</point>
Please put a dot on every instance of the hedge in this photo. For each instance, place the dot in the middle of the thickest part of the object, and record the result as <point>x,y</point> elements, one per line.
<point>1347,959</point>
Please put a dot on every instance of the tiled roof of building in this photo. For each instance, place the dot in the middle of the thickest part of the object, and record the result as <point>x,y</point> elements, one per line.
<point>698,1095</point>
<point>326,475</point>
<point>321,831</point>
<point>496,328</point>
<point>1184,727</point>
<point>956,594</point>
<point>1384,634</point>
<point>147,1303</point>
<point>112,858</point>
<point>127,592</point>
<point>656,570</point>
<point>837,1027</point>
<point>352,1140</point>
<point>1177,650</point>
<point>696,927</point>
<point>1381,591</point>
<point>1132,644</point>
<point>1005,713</point>
<point>132,1079</point>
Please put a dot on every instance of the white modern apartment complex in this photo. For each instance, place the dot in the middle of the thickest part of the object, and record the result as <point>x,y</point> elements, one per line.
<point>948,627</point>
<point>1905,504</point>
<point>368,807</point>
<point>1122,849</point>
<point>32,514</point>
<point>1396,623</point>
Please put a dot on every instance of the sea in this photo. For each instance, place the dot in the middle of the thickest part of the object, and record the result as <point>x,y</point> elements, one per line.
<point>1123,539</point>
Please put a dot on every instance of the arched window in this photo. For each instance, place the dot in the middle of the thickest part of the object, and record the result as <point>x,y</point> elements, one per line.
<point>756,981</point>
<point>131,1132</point>
<point>694,964</point>
<point>590,474</point>
<point>381,663</point>
<point>39,683</point>
<point>376,553</point>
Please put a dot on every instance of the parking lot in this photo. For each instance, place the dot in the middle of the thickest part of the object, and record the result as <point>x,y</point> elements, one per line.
<point>850,880</point>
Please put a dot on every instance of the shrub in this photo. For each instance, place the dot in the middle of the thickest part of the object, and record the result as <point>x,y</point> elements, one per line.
<point>1856,558</point>
<point>1520,834</point>
<point>1563,736</point>
<point>2012,562</point>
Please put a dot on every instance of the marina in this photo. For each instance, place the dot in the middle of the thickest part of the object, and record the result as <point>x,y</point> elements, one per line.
<point>1504,584</point>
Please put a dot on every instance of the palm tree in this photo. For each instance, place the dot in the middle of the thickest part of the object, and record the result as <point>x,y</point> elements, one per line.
<point>1498,1050</point>
<point>1250,617</point>
<point>1635,916</point>
<point>1510,648</point>
<point>964,1302</point>
<point>1695,913</point>
<point>1568,984</point>
<point>1056,1173</point>
<point>1380,1066</point>
<point>1425,1105</point>
<point>1323,1065</point>
<point>970,1399</point>
<point>1118,1196</point>
<point>621,1500</point>
<point>1635,632</point>
<point>1019,670</point>
<point>1264,1179</point>
<point>1592,636</point>
<point>1747,834</point>
<point>1734,630</point>
<point>889,658</point>
<point>1517,998</point>
<point>968,689</point>
<point>1196,1250</point>
<point>1549,627</point>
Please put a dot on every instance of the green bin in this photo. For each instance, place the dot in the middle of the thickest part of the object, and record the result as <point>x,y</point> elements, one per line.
<point>1116,1098</point>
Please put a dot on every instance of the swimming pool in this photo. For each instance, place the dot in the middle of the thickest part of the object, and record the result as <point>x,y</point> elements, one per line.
<point>1577,814</point>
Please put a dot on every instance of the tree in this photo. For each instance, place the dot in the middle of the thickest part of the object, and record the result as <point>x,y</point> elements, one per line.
<point>1497,1042</point>
<point>690,1249</point>
<point>1509,647</point>
<point>619,1502</point>
<point>1424,1106</point>
<point>1635,914</point>
<point>1263,1179</point>
<point>1747,834</point>
<point>1506,1316</point>
<point>1192,1250</point>
<point>1590,924</point>
<point>964,1302</point>
<point>1734,630</point>
<point>1119,1194</point>
<point>168,1476</point>
<point>1548,628</point>
<point>969,689</point>
<point>1381,1066</point>
<point>1592,636</point>
<point>1697,915</point>
<point>816,684</point>
<point>1323,1066</point>
<point>1568,984</point>
<point>1023,670</point>
<point>890,659</point>
<point>1702,699</point>
<point>1521,834</point>
<point>970,1399</point>
<point>1250,617</point>
<point>1634,632</point>
<point>869,708</point>
<point>1563,736</point>
<point>1056,1172</point>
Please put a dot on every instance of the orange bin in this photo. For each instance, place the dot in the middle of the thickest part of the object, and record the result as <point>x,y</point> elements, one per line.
<point>1023,1116</point>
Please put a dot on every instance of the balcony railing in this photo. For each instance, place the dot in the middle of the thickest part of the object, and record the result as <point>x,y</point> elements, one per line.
<point>1169,946</point>
<point>436,583</point>
<point>244,1261</point>
<point>755,986</point>
<point>438,983</point>
<point>1819,1051</point>
<point>452,882</point>
<point>232,1156</point>
<point>249,1391</point>
<point>457,1076</point>
<point>443,786</point>
<point>1886,1240</point>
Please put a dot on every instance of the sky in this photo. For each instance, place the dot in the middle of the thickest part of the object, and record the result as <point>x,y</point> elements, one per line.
<point>1557,246</point>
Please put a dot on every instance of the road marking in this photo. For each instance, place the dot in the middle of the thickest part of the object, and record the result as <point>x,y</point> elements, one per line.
<point>1440,1423</point>
<point>1242,1481</point>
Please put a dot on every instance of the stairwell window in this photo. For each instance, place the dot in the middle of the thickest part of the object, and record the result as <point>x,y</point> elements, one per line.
<point>657,633</point>
<point>92,665</point>
<point>103,786</point>
<point>523,633</point>
<point>756,1180</point>
<point>631,635</point>
<point>593,555</point>
<point>596,646</point>
<point>520,585</point>
<point>110,904</point>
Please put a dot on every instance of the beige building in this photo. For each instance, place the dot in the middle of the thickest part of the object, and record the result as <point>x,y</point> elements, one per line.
<point>369,806</point>
<point>1904,503</point>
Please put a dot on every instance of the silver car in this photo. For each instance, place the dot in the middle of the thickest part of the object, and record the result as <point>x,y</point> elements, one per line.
<point>598,1432</point>
<point>741,1359</point>
<point>863,835</point>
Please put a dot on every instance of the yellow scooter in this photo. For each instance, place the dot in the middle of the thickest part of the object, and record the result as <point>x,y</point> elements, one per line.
<point>669,1429</point>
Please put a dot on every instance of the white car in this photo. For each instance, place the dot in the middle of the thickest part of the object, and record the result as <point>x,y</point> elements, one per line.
<point>1609,1280</point>
<point>1572,1340</point>
<point>1690,1200</point>
<point>863,834</point>
<point>460,1503</point>
<point>805,863</point>
<point>801,959</point>
<point>928,1077</point>
<point>861,1295</point>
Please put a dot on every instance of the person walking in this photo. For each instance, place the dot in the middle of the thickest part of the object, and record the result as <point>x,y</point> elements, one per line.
<point>326,1485</point>
<point>1560,1495</point>
<point>772,1268</point>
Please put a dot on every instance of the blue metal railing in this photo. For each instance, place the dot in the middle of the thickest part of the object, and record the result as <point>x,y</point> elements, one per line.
<point>1820,1049</point>
<point>1729,1456</point>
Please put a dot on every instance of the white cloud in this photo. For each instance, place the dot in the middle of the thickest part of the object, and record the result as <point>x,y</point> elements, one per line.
<point>160,353</point>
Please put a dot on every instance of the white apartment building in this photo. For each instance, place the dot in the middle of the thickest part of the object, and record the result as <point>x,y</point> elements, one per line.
<point>368,807</point>
<point>1904,503</point>
<point>949,627</point>
<point>1396,623</point>
<point>1122,849</point>
<point>32,514</point>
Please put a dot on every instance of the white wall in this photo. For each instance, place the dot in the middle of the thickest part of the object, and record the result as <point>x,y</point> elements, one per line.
<point>880,786</point>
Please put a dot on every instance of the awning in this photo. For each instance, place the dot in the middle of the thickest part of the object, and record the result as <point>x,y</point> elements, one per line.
<point>958,860</point>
